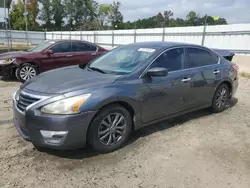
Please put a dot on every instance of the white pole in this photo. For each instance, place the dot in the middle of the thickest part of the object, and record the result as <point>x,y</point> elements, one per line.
<point>26,21</point>
<point>6,26</point>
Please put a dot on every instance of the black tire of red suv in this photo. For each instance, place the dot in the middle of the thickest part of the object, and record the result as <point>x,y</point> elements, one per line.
<point>31,71</point>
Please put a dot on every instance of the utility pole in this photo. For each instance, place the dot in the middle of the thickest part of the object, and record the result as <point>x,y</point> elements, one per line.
<point>26,21</point>
<point>6,24</point>
<point>204,31</point>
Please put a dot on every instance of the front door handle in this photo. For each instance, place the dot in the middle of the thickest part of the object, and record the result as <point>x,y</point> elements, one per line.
<point>93,53</point>
<point>69,55</point>
<point>186,79</point>
<point>216,71</point>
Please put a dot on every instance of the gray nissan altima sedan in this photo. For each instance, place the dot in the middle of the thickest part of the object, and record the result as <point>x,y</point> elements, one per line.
<point>128,88</point>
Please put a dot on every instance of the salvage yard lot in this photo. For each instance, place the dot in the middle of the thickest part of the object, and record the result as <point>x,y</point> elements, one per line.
<point>196,150</point>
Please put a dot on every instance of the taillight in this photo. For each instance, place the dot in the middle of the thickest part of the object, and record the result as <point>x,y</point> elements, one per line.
<point>235,67</point>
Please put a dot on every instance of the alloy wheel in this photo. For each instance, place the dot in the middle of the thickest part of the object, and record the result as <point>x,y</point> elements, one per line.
<point>111,129</point>
<point>27,72</point>
<point>221,98</point>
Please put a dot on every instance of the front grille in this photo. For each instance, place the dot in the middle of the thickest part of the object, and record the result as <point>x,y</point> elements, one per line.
<point>25,100</point>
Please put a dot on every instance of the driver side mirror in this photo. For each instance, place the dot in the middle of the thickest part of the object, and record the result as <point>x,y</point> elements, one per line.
<point>49,52</point>
<point>157,72</point>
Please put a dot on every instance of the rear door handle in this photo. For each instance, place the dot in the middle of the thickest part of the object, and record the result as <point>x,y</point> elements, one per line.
<point>216,71</point>
<point>186,79</point>
<point>69,55</point>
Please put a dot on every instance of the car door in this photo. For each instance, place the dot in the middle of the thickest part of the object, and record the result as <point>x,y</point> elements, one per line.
<point>170,94</point>
<point>84,52</point>
<point>61,56</point>
<point>206,74</point>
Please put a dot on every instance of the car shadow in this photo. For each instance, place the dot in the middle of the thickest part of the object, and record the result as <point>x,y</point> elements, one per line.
<point>143,132</point>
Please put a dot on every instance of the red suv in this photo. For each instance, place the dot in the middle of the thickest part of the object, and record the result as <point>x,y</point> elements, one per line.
<point>46,56</point>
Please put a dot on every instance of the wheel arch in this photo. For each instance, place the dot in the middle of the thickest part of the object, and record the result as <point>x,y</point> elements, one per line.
<point>228,83</point>
<point>124,104</point>
<point>31,63</point>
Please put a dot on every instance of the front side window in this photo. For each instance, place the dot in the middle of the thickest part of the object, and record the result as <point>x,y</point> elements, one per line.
<point>62,47</point>
<point>198,57</point>
<point>172,60</point>
<point>122,60</point>
<point>83,47</point>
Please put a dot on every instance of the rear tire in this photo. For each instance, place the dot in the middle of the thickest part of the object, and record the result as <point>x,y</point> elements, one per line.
<point>25,72</point>
<point>220,99</point>
<point>110,129</point>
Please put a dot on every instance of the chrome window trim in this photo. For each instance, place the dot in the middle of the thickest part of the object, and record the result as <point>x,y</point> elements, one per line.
<point>184,47</point>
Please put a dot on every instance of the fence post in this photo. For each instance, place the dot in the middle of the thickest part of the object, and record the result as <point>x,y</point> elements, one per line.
<point>45,35</point>
<point>163,34</point>
<point>52,35</point>
<point>204,32</point>
<point>81,35</point>
<point>113,38</point>
<point>61,35</point>
<point>135,36</point>
<point>94,37</point>
<point>70,35</point>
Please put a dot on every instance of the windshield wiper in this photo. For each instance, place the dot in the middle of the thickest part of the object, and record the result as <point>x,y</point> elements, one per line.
<point>96,69</point>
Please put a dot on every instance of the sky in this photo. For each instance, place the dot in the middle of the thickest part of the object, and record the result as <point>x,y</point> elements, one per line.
<point>235,11</point>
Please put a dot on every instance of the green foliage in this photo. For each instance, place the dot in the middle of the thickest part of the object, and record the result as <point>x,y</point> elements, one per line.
<point>89,15</point>
<point>17,16</point>
<point>116,17</point>
<point>58,13</point>
<point>161,20</point>
<point>105,12</point>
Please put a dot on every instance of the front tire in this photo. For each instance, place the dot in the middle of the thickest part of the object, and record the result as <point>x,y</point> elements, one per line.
<point>220,99</point>
<point>110,129</point>
<point>26,72</point>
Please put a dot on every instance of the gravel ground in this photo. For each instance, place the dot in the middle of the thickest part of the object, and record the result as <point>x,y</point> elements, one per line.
<point>196,150</point>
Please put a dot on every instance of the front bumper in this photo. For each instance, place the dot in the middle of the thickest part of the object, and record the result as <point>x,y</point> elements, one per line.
<point>53,131</point>
<point>7,70</point>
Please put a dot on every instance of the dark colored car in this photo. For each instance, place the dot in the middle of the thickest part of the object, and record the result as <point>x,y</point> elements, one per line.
<point>46,56</point>
<point>127,88</point>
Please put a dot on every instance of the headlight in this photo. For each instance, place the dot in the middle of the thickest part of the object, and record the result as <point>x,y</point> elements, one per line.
<point>66,106</point>
<point>16,95</point>
<point>7,61</point>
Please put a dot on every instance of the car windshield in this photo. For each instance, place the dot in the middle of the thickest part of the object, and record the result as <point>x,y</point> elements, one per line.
<point>41,46</point>
<point>121,60</point>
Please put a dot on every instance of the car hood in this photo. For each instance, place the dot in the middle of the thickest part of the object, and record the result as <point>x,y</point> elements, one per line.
<point>10,55</point>
<point>63,80</point>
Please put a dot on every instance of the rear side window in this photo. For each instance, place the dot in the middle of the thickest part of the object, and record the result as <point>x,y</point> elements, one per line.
<point>83,47</point>
<point>62,47</point>
<point>171,60</point>
<point>198,57</point>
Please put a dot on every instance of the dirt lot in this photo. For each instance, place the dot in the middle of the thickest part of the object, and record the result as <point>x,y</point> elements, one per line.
<point>196,150</point>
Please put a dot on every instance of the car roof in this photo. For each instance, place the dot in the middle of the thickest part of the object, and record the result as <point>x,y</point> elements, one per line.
<point>158,44</point>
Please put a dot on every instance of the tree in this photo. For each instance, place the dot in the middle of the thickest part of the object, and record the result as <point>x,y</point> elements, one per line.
<point>80,12</point>
<point>46,13</point>
<point>167,15</point>
<point>105,12</point>
<point>116,18</point>
<point>58,13</point>
<point>193,18</point>
<point>17,16</point>
<point>33,13</point>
